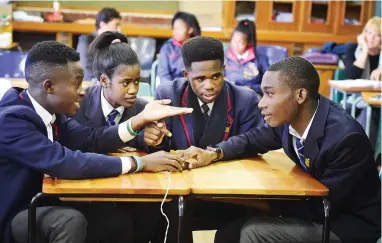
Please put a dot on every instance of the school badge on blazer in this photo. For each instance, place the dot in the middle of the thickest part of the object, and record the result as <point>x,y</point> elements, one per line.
<point>251,71</point>
<point>307,162</point>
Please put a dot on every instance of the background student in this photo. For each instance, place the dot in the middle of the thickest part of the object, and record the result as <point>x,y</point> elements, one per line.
<point>170,65</point>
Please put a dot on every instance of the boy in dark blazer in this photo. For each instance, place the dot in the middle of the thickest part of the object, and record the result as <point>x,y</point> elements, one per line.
<point>221,109</point>
<point>37,139</point>
<point>326,142</point>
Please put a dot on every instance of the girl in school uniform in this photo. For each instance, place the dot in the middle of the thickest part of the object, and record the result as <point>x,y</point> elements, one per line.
<point>170,65</point>
<point>117,68</point>
<point>243,65</point>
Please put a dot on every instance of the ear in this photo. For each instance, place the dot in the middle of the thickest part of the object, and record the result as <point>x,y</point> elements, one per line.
<point>185,73</point>
<point>190,30</point>
<point>301,95</point>
<point>102,25</point>
<point>104,80</point>
<point>48,86</point>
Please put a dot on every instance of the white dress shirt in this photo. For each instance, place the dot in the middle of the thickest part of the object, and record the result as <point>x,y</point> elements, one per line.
<point>302,138</point>
<point>48,119</point>
<point>210,106</point>
<point>244,56</point>
<point>107,108</point>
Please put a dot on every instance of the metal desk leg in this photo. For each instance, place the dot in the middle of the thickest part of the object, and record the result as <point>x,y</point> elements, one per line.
<point>326,227</point>
<point>332,93</point>
<point>345,98</point>
<point>181,208</point>
<point>368,120</point>
<point>32,217</point>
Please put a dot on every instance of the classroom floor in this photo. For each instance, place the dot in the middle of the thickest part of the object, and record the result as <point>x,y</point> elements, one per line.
<point>204,236</point>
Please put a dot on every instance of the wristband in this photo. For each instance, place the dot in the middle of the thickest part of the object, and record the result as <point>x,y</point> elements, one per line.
<point>130,129</point>
<point>139,163</point>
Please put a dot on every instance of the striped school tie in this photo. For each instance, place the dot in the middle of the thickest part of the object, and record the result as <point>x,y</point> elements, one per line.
<point>300,150</point>
<point>111,117</point>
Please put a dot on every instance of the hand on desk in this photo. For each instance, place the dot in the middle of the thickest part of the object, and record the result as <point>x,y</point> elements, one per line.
<point>376,74</point>
<point>200,157</point>
<point>161,161</point>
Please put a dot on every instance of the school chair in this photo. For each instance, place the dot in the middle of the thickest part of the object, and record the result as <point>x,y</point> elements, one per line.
<point>144,89</point>
<point>274,53</point>
<point>379,135</point>
<point>225,46</point>
<point>12,64</point>
<point>145,49</point>
<point>5,84</point>
<point>155,80</point>
<point>339,74</point>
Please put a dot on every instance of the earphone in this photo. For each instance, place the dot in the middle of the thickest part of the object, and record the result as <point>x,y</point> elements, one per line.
<point>161,205</point>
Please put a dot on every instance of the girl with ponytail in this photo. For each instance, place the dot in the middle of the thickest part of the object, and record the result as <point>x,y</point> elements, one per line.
<point>115,101</point>
<point>244,66</point>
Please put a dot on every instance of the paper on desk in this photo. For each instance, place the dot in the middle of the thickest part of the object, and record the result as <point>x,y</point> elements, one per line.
<point>358,83</point>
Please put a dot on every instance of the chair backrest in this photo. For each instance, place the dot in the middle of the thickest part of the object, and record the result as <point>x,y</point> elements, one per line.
<point>155,80</point>
<point>274,53</point>
<point>145,49</point>
<point>12,64</point>
<point>339,74</point>
<point>144,89</point>
<point>5,84</point>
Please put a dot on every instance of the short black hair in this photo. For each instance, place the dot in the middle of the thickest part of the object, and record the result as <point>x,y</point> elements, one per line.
<point>190,20</point>
<point>107,56</point>
<point>202,48</point>
<point>248,28</point>
<point>45,56</point>
<point>106,15</point>
<point>298,72</point>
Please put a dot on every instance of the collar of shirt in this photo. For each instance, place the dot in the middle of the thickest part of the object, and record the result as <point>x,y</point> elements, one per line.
<point>294,133</point>
<point>244,56</point>
<point>46,117</point>
<point>210,106</point>
<point>107,108</point>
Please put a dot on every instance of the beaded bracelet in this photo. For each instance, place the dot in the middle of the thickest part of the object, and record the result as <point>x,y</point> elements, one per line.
<point>131,131</point>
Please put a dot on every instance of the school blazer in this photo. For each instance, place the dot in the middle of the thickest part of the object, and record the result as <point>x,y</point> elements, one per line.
<point>91,114</point>
<point>341,158</point>
<point>235,111</point>
<point>26,154</point>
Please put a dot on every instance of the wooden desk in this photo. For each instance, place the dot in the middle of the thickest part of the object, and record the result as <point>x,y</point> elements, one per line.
<point>336,85</point>
<point>11,46</point>
<point>326,73</point>
<point>141,186</point>
<point>272,174</point>
<point>367,97</point>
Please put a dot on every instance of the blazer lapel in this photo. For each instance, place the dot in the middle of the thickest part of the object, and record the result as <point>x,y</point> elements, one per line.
<point>94,110</point>
<point>214,130</point>
<point>186,120</point>
<point>316,132</point>
<point>24,96</point>
<point>287,141</point>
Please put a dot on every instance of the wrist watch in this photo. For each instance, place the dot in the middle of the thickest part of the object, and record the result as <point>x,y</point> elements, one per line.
<point>215,149</point>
